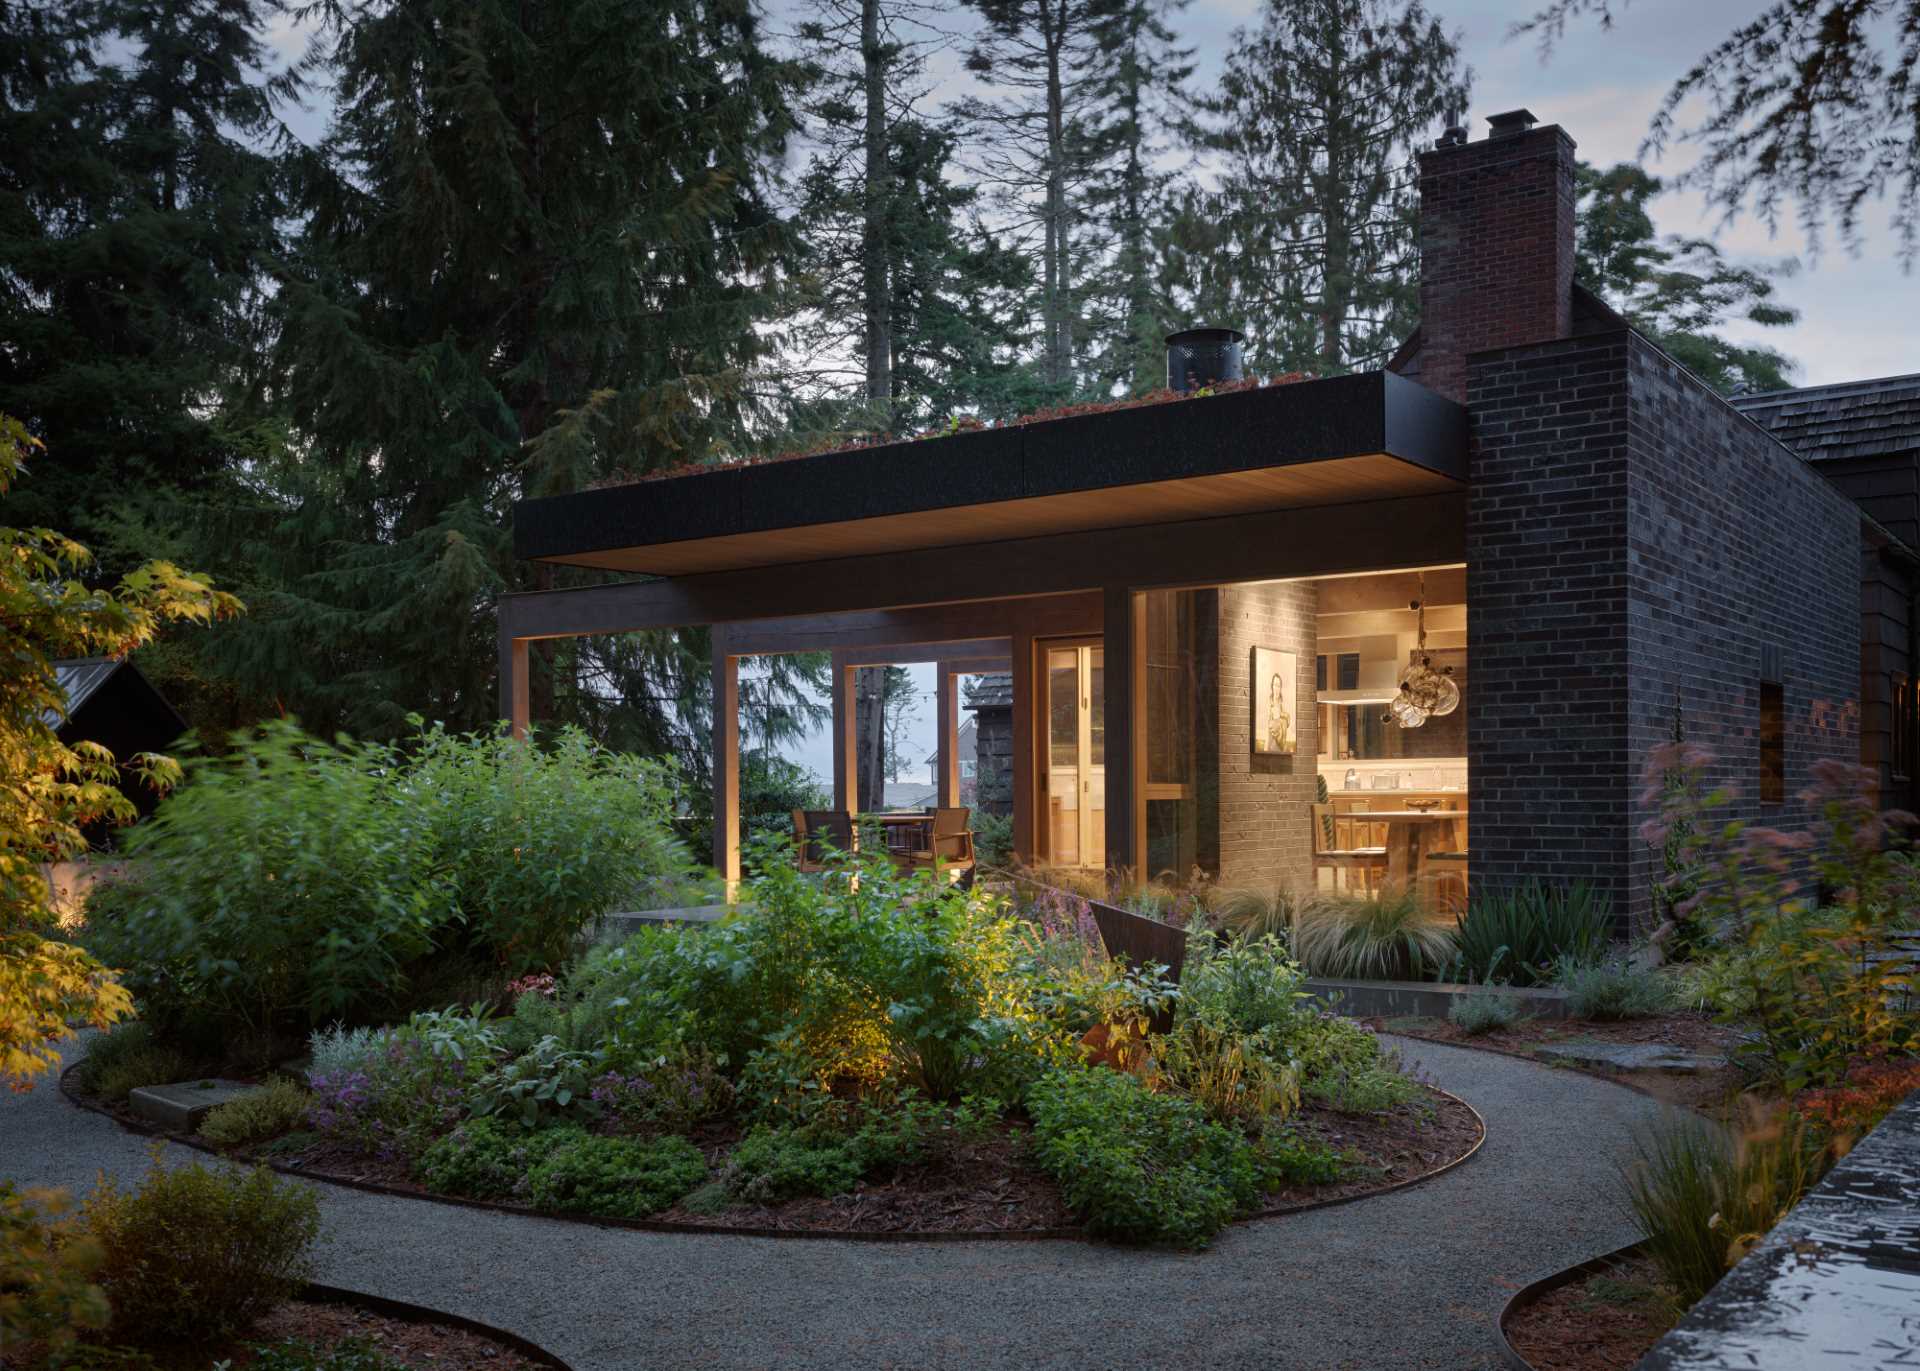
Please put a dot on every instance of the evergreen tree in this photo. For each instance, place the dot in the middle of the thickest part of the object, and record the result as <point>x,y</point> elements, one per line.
<point>1675,290</point>
<point>1039,143</point>
<point>1142,91</point>
<point>539,251</point>
<point>1320,112</point>
<point>1810,101</point>
<point>140,201</point>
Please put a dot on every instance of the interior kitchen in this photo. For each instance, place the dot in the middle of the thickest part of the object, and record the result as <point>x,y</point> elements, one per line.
<point>1391,699</point>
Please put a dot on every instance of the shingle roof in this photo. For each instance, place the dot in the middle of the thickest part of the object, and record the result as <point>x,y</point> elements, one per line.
<point>1854,419</point>
<point>991,691</point>
<point>78,677</point>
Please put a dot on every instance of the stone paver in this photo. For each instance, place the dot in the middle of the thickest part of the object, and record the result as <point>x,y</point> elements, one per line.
<point>1629,1056</point>
<point>182,1107</point>
<point>1403,1281</point>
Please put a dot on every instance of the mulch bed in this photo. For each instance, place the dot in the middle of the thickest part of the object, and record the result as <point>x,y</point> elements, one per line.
<point>989,1189</point>
<point>416,1342</point>
<point>1602,1322</point>
<point>1707,1092</point>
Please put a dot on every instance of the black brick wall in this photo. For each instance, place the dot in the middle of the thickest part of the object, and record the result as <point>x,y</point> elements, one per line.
<point>1547,613</point>
<point>1629,536</point>
<point>1734,544</point>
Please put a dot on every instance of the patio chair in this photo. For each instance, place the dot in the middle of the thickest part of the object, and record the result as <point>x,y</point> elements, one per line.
<point>949,846</point>
<point>815,831</point>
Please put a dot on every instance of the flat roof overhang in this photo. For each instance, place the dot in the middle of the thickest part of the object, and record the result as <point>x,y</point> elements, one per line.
<point>1342,440</point>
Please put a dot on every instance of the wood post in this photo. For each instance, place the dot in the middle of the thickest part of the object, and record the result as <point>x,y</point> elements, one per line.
<point>846,754</point>
<point>1121,640</point>
<point>1026,781</point>
<point>947,706</point>
<point>726,761</point>
<point>513,682</point>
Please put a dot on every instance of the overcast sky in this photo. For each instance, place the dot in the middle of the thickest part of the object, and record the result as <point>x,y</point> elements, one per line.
<point>1858,311</point>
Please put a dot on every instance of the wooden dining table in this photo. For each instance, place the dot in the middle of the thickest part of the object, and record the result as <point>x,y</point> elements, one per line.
<point>1411,835</point>
<point>909,832</point>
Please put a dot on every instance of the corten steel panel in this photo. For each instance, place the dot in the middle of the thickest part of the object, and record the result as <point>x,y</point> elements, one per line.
<point>1393,437</point>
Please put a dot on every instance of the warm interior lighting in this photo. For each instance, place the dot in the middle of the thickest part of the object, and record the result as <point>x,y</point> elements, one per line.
<point>1426,692</point>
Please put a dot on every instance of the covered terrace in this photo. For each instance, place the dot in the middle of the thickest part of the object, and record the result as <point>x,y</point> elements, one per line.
<point>1049,549</point>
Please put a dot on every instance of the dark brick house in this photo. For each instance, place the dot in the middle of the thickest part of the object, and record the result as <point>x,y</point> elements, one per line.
<point>1207,607</point>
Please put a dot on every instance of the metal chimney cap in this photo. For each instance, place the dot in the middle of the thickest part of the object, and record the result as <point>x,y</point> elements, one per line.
<point>1205,335</point>
<point>1512,122</point>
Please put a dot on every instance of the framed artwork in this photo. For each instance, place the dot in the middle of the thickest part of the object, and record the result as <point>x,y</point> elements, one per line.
<point>1276,700</point>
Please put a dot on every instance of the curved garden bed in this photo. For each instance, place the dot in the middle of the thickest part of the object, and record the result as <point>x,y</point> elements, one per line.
<point>995,1194</point>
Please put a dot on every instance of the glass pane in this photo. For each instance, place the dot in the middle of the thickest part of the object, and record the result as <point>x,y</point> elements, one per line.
<point>1063,706</point>
<point>1097,705</point>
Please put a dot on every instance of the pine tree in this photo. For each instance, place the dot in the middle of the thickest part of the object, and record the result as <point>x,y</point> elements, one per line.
<point>1038,145</point>
<point>1320,112</point>
<point>1676,290</point>
<point>1142,91</point>
<point>539,250</point>
<point>140,201</point>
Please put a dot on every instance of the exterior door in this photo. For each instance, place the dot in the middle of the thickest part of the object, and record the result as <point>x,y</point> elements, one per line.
<point>1073,780</point>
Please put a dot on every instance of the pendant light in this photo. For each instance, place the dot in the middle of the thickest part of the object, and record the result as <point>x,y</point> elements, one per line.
<point>1426,691</point>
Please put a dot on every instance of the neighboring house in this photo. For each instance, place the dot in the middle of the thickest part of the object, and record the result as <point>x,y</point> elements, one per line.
<point>1206,606</point>
<point>990,698</point>
<point>965,744</point>
<point>111,703</point>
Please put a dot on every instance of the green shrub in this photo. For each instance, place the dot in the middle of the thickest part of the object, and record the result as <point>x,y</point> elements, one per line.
<point>1485,1008</point>
<point>1519,934</point>
<point>536,842</point>
<point>1235,1076</point>
<point>412,1087</point>
<point>1614,989</point>
<point>1344,1068</point>
<point>487,1159</point>
<point>777,1163</point>
<point>674,1091</point>
<point>128,1059</point>
<point>47,1269</point>
<point>1250,982</point>
<point>295,882</point>
<point>1702,1202</point>
<point>273,1109</point>
<point>543,1083</point>
<point>1372,937</point>
<point>338,1050</point>
<point>355,1354</point>
<point>1285,1157</point>
<point>616,1177</point>
<point>194,1255</point>
<point>1137,1166</point>
<point>992,838</point>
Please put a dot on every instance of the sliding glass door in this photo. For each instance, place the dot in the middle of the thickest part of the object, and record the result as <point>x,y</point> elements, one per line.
<point>1073,781</point>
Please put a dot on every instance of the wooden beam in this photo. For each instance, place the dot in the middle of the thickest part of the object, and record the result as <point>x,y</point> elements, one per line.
<point>976,650</point>
<point>1026,780</point>
<point>1378,535</point>
<point>726,761</point>
<point>947,707</point>
<point>1119,641</point>
<point>846,758</point>
<point>971,624</point>
<point>513,682</point>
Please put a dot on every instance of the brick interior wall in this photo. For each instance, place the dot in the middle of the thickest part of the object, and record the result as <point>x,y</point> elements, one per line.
<point>1547,614</point>
<point>1265,821</point>
<point>1734,543</point>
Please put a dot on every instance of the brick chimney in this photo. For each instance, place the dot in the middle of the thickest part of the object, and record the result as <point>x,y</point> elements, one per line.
<point>1496,245</point>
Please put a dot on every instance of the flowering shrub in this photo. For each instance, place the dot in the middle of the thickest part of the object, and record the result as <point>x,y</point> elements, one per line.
<point>1812,913</point>
<point>540,983</point>
<point>410,1090</point>
<point>675,1092</point>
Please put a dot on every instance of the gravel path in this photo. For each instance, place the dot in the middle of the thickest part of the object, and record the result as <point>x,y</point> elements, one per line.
<point>1408,1280</point>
